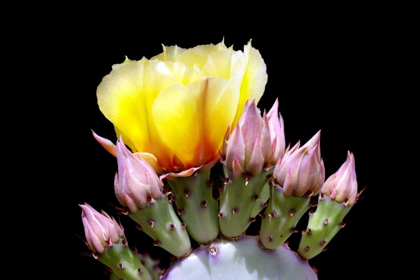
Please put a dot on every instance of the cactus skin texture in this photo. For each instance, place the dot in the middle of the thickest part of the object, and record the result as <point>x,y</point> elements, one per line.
<point>151,265</point>
<point>323,225</point>
<point>123,262</point>
<point>281,217</point>
<point>242,259</point>
<point>159,221</point>
<point>237,201</point>
<point>196,206</point>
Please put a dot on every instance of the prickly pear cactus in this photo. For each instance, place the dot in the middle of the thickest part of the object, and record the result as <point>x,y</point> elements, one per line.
<point>199,163</point>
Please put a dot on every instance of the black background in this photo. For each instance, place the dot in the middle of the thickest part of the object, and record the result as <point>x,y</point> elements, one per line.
<point>324,71</point>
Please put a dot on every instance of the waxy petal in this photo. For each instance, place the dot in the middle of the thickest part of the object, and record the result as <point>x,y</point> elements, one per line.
<point>125,97</point>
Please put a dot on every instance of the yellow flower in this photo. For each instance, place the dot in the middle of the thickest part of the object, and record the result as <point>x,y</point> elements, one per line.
<point>176,107</point>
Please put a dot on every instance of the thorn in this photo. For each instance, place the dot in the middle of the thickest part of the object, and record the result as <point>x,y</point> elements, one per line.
<point>262,215</point>
<point>172,227</point>
<point>95,255</point>
<point>123,210</point>
<point>325,249</point>
<point>247,179</point>
<point>287,244</point>
<point>235,211</point>
<point>361,191</point>
<point>180,211</point>
<point>124,243</point>
<point>139,271</point>
<point>265,204</point>
<point>325,222</point>
<point>151,223</point>
<point>227,181</point>
<point>183,225</point>
<point>121,266</point>
<point>315,269</point>
<point>187,193</point>
<point>292,212</point>
<point>270,239</point>
<point>255,197</point>
<point>139,227</point>
<point>309,231</point>
<point>157,243</point>
<point>311,212</point>
<point>294,230</point>
<point>252,219</point>
<point>307,248</point>
<point>171,197</point>
<point>134,249</point>
<point>313,203</point>
<point>323,243</point>
<point>210,182</point>
<point>221,215</point>
<point>203,204</point>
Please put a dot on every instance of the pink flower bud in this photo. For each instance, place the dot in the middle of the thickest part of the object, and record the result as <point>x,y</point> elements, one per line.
<point>301,170</point>
<point>342,185</point>
<point>136,181</point>
<point>256,142</point>
<point>100,229</point>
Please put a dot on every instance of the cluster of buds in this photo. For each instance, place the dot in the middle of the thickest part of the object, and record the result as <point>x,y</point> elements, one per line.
<point>301,171</point>
<point>256,143</point>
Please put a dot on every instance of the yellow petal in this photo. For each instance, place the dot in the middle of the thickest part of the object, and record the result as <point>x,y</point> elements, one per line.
<point>176,70</point>
<point>254,80</point>
<point>192,120</point>
<point>175,114</point>
<point>225,63</point>
<point>197,56</point>
<point>125,97</point>
<point>170,53</point>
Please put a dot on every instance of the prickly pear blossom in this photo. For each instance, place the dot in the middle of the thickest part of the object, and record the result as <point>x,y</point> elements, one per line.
<point>256,143</point>
<point>100,229</point>
<point>301,170</point>
<point>342,185</point>
<point>136,182</point>
<point>178,104</point>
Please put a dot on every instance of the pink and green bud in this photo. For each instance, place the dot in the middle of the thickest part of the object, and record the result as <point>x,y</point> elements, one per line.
<point>342,185</point>
<point>136,182</point>
<point>101,230</point>
<point>256,143</point>
<point>301,170</point>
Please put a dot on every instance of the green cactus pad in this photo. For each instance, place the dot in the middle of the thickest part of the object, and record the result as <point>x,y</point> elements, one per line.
<point>196,206</point>
<point>323,225</point>
<point>262,201</point>
<point>281,216</point>
<point>237,201</point>
<point>242,259</point>
<point>124,262</point>
<point>160,222</point>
